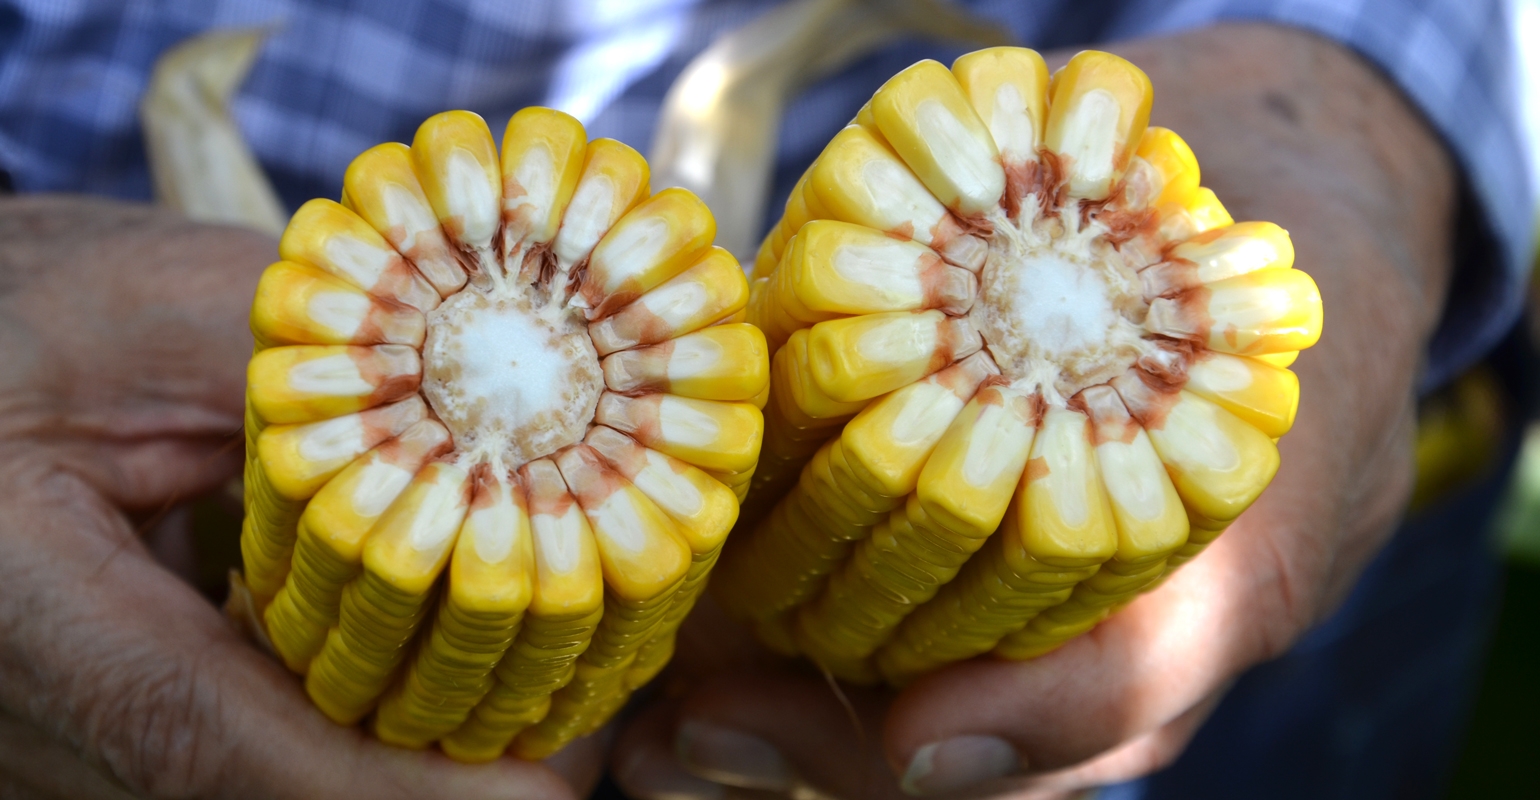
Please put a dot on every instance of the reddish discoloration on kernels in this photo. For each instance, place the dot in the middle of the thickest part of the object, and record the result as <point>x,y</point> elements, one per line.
<point>538,268</point>
<point>1124,224</point>
<point>385,422</point>
<point>1167,365</point>
<point>1037,469</point>
<point>1169,278</point>
<point>545,489</point>
<point>390,322</point>
<point>394,388</point>
<point>1147,397</point>
<point>483,487</point>
<point>1183,315</point>
<point>516,491</point>
<point>631,326</point>
<point>904,232</point>
<point>637,416</point>
<point>1110,420</point>
<point>432,257</point>
<point>1021,179</point>
<point>964,378</point>
<point>640,371</point>
<point>1031,409</point>
<point>621,451</point>
<point>1049,181</point>
<point>398,280</point>
<point>424,440</point>
<point>944,286</point>
<point>603,306</point>
<point>588,476</point>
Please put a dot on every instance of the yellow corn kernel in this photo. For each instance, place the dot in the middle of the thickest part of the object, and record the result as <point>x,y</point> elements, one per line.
<point>541,161</point>
<point>308,383</point>
<point>725,362</point>
<point>456,161</point>
<point>1151,522</point>
<point>328,551</point>
<point>325,235</point>
<point>926,118</point>
<point>888,443</point>
<point>802,401</point>
<point>860,358</point>
<point>1064,510</point>
<point>639,551</point>
<point>381,186</point>
<point>835,269</point>
<point>1162,149</point>
<point>969,479</point>
<point>298,459</point>
<point>298,304</point>
<point>1097,114</point>
<point>614,180</point>
<point>1008,88</point>
<point>708,434</point>
<point>382,607</point>
<point>1218,463</point>
<point>1268,311</point>
<point>1264,396</point>
<point>1221,253</point>
<point>859,180</point>
<point>650,244</point>
<point>710,289</point>
<point>491,575</point>
<point>1199,212</point>
<point>701,506</point>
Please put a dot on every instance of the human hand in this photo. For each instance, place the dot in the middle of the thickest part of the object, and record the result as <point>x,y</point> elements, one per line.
<point>123,345</point>
<point>1288,128</point>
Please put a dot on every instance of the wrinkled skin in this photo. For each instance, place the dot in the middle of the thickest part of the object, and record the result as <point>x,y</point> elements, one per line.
<point>1288,128</point>
<point>123,345</point>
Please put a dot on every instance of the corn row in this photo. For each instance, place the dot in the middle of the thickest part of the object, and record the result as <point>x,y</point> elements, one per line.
<point>503,408</point>
<point>1128,343</point>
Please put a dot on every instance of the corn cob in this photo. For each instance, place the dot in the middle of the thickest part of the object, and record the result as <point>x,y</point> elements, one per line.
<point>499,418</point>
<point>1023,366</point>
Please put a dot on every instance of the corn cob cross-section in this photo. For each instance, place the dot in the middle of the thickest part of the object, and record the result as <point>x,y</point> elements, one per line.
<point>500,413</point>
<point>1024,365</point>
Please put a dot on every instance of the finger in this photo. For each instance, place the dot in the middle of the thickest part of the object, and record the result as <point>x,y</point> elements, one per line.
<point>1135,758</point>
<point>1142,669</point>
<point>156,308</point>
<point>644,763</point>
<point>786,732</point>
<point>581,762</point>
<point>107,650</point>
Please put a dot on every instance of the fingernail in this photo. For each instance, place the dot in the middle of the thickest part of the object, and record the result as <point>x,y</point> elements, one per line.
<point>648,778</point>
<point>733,757</point>
<point>958,763</point>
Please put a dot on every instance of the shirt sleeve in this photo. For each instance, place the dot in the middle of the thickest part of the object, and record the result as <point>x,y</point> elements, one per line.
<point>1456,61</point>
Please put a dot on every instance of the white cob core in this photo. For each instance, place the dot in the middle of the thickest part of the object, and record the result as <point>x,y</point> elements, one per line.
<point>512,377</point>
<point>1059,307</point>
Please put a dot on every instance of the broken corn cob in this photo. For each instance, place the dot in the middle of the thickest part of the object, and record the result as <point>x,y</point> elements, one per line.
<point>1023,366</point>
<point>499,407</point>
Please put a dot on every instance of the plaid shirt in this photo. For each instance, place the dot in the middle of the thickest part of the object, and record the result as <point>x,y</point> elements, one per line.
<point>339,76</point>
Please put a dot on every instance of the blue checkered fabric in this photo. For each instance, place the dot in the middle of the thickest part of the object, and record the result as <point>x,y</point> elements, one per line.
<point>338,76</point>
